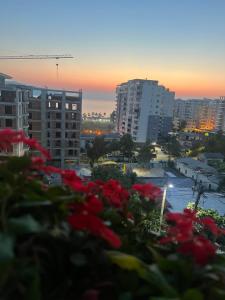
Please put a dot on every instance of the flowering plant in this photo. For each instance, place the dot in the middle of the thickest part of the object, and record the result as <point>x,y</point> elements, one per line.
<point>89,240</point>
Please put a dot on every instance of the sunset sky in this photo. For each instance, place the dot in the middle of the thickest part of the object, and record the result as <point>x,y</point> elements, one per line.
<point>180,43</point>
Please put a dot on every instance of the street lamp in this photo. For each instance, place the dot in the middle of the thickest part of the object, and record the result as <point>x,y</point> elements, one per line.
<point>166,186</point>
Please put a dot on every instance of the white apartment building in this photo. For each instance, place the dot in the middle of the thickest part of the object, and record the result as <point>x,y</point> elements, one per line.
<point>201,114</point>
<point>13,110</point>
<point>144,109</point>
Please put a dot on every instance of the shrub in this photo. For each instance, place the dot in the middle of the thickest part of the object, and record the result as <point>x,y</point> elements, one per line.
<point>89,240</point>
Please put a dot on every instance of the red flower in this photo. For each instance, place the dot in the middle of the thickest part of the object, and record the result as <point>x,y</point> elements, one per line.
<point>71,179</point>
<point>115,193</point>
<point>210,224</point>
<point>84,217</point>
<point>183,232</point>
<point>199,248</point>
<point>8,137</point>
<point>147,190</point>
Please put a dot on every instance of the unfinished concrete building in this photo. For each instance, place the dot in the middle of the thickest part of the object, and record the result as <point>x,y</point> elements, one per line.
<point>55,120</point>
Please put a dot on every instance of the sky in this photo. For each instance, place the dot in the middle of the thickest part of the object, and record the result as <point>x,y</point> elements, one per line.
<point>180,43</point>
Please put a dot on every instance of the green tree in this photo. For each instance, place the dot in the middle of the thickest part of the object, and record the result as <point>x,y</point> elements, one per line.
<point>107,172</point>
<point>196,148</point>
<point>146,153</point>
<point>127,145</point>
<point>96,150</point>
<point>173,147</point>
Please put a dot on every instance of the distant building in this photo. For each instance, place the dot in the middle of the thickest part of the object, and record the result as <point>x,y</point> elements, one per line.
<point>13,110</point>
<point>55,121</point>
<point>199,171</point>
<point>211,158</point>
<point>200,114</point>
<point>144,110</point>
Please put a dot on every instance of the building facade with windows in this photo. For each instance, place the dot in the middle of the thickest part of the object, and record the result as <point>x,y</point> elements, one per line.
<point>53,117</point>
<point>55,120</point>
<point>13,110</point>
<point>201,114</point>
<point>144,109</point>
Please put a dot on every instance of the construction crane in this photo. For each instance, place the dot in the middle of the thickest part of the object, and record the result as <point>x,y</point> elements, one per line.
<point>63,56</point>
<point>36,56</point>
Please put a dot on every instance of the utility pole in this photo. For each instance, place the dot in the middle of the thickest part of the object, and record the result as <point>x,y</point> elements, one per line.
<point>199,188</point>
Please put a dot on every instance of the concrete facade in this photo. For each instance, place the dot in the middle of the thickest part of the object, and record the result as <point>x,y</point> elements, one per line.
<point>53,117</point>
<point>55,120</point>
<point>13,110</point>
<point>144,110</point>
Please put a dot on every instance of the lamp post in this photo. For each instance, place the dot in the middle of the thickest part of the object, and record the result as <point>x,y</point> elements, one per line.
<point>166,186</point>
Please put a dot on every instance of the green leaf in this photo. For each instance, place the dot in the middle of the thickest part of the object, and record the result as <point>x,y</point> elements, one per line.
<point>151,274</point>
<point>34,290</point>
<point>129,262</point>
<point>125,296</point>
<point>193,294</point>
<point>24,224</point>
<point>163,298</point>
<point>78,259</point>
<point>6,248</point>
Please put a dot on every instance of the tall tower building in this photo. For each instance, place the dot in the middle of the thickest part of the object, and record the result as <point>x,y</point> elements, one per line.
<point>144,110</point>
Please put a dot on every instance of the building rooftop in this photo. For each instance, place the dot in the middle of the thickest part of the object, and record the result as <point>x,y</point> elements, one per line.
<point>196,165</point>
<point>5,76</point>
<point>210,155</point>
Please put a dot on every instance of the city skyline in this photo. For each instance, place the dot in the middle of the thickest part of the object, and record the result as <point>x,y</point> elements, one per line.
<point>179,44</point>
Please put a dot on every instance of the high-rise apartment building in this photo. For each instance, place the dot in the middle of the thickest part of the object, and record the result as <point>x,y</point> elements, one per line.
<point>55,120</point>
<point>13,110</point>
<point>144,109</point>
<point>201,114</point>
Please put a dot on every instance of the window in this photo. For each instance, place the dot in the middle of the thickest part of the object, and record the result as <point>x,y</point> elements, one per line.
<point>58,115</point>
<point>49,104</point>
<point>57,125</point>
<point>48,134</point>
<point>8,122</point>
<point>48,115</point>
<point>57,152</point>
<point>67,105</point>
<point>30,126</point>
<point>73,116</point>
<point>56,105</point>
<point>67,125</point>
<point>58,143</point>
<point>30,115</point>
<point>8,110</point>
<point>49,125</point>
<point>74,125</point>
<point>58,134</point>
<point>70,144</point>
<point>70,152</point>
<point>74,106</point>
